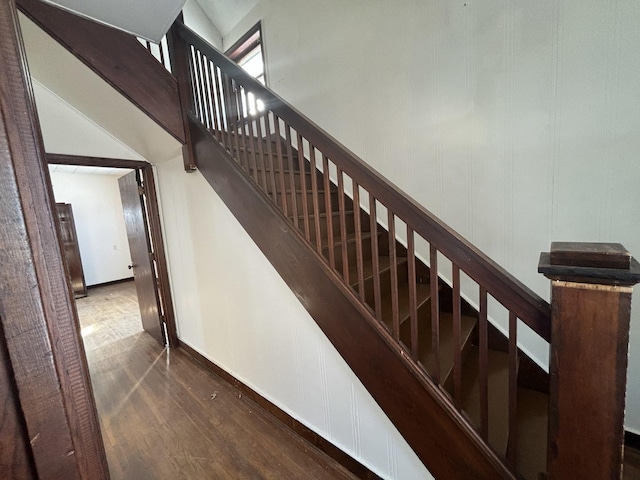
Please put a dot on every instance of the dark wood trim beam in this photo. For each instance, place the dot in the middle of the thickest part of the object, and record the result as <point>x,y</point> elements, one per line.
<point>62,159</point>
<point>118,58</point>
<point>438,434</point>
<point>283,417</point>
<point>39,320</point>
<point>160,255</point>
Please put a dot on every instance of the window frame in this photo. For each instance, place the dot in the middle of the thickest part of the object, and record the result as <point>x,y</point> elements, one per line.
<point>245,44</point>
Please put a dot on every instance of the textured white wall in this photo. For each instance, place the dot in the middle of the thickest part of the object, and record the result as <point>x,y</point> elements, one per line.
<point>67,130</point>
<point>97,211</point>
<point>515,122</point>
<point>234,308</point>
<point>198,21</point>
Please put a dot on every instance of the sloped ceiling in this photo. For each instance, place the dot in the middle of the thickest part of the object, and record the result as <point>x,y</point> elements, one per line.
<point>149,19</point>
<point>225,14</point>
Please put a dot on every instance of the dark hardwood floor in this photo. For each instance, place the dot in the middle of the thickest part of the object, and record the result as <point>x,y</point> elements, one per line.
<point>165,417</point>
<point>631,464</point>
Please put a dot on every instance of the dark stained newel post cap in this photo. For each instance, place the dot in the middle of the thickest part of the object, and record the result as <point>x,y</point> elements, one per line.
<point>588,262</point>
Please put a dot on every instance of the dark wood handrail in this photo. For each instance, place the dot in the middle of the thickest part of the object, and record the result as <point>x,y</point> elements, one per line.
<point>504,287</point>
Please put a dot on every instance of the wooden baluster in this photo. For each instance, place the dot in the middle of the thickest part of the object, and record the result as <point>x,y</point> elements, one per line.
<point>303,185</point>
<point>227,89</point>
<point>200,85</point>
<point>357,221</point>
<point>329,213</point>
<point>262,160</point>
<point>237,139</point>
<point>292,178</point>
<point>413,300</point>
<point>212,96</point>
<point>484,365</point>
<point>253,161</point>
<point>283,189</point>
<point>314,194</point>
<point>343,226</point>
<point>208,119</point>
<point>375,260</point>
<point>393,270</point>
<point>161,49</point>
<point>271,163</point>
<point>457,338</point>
<point>235,125</point>
<point>512,445</point>
<point>194,82</point>
<point>217,78</point>
<point>243,128</point>
<point>435,312</point>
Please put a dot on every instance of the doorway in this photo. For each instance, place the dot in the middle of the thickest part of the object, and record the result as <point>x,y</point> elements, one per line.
<point>118,230</point>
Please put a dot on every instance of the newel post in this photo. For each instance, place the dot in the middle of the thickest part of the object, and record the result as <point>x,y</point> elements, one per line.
<point>179,56</point>
<point>591,286</point>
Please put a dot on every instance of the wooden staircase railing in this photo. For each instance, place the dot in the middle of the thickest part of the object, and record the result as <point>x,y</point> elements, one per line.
<point>385,247</point>
<point>431,291</point>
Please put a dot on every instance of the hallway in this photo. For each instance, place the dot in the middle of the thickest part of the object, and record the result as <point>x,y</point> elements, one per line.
<point>164,417</point>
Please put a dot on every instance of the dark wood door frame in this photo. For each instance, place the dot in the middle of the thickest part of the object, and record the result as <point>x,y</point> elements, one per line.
<point>38,320</point>
<point>155,227</point>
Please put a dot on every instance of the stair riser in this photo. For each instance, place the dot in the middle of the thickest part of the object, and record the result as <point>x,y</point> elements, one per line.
<point>256,142</point>
<point>297,181</point>
<point>385,282</point>
<point>309,197</point>
<point>351,252</point>
<point>424,322</point>
<point>277,182</point>
<point>335,222</point>
<point>267,163</point>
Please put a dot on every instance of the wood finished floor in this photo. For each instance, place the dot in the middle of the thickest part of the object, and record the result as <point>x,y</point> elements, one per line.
<point>165,417</point>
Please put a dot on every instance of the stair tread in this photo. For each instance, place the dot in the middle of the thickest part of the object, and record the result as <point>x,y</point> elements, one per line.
<point>349,238</point>
<point>532,433</point>
<point>299,191</point>
<point>498,386</point>
<point>425,350</point>
<point>276,169</point>
<point>423,294</point>
<point>384,264</point>
<point>323,215</point>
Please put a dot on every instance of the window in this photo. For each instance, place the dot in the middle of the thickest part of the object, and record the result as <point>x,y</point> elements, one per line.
<point>249,54</point>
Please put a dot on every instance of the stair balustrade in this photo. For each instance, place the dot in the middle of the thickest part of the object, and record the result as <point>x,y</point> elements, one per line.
<point>451,313</point>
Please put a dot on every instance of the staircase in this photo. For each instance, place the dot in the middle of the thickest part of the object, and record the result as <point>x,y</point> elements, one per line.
<point>344,235</point>
<point>409,304</point>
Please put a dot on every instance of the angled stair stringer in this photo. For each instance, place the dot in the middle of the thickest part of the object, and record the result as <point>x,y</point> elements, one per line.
<point>431,426</point>
<point>118,58</point>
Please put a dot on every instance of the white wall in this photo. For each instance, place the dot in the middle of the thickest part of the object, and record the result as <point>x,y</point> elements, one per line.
<point>198,21</point>
<point>234,308</point>
<point>97,211</point>
<point>514,122</point>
